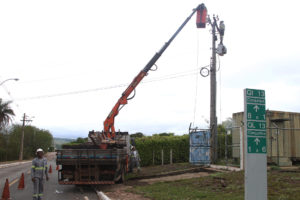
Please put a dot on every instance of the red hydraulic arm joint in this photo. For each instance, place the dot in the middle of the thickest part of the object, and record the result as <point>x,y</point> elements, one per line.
<point>109,128</point>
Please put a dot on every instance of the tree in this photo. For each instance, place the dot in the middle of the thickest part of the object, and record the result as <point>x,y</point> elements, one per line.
<point>228,123</point>
<point>79,140</point>
<point>34,138</point>
<point>6,113</point>
<point>164,134</point>
<point>137,135</point>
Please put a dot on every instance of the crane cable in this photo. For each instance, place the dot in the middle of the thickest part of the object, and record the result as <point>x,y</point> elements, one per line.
<point>196,92</point>
<point>220,88</point>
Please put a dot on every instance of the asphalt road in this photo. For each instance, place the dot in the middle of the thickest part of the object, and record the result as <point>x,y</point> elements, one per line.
<point>12,173</point>
<point>52,190</point>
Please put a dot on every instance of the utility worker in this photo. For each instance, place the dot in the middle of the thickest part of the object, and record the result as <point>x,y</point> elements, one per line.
<point>135,158</point>
<point>38,169</point>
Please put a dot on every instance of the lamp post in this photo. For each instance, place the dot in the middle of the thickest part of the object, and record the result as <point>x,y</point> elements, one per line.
<point>15,79</point>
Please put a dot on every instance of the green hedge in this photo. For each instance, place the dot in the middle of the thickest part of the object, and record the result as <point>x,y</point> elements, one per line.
<point>149,145</point>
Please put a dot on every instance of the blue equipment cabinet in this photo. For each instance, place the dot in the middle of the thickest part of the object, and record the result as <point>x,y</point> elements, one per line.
<point>199,147</point>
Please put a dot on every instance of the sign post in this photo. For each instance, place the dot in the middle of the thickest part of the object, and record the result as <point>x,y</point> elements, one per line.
<point>255,145</point>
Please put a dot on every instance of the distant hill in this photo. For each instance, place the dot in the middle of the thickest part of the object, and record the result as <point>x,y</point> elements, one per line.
<point>59,141</point>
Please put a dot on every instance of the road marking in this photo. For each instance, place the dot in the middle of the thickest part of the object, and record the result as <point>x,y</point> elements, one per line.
<point>13,182</point>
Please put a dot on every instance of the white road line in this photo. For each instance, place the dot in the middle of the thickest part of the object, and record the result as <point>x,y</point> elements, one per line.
<point>13,164</point>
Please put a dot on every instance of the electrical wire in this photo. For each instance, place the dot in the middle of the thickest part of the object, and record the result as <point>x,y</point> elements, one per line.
<point>220,90</point>
<point>155,69</point>
<point>219,63</point>
<point>129,98</point>
<point>166,77</point>
<point>196,92</point>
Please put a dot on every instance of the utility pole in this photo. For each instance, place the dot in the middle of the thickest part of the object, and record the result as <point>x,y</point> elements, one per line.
<point>24,120</point>
<point>213,97</point>
<point>221,50</point>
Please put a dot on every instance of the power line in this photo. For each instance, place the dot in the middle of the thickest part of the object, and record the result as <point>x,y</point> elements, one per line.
<point>196,92</point>
<point>166,77</point>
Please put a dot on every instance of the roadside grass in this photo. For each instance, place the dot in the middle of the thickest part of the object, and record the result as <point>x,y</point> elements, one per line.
<point>282,185</point>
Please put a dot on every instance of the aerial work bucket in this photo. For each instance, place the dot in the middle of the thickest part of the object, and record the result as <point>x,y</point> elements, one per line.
<point>201,16</point>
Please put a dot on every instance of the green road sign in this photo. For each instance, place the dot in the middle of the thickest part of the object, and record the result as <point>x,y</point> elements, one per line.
<point>257,145</point>
<point>256,132</point>
<point>255,93</point>
<point>256,112</point>
<point>256,125</point>
<point>258,100</point>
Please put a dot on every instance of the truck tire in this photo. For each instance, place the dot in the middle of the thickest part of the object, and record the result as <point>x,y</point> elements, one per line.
<point>122,176</point>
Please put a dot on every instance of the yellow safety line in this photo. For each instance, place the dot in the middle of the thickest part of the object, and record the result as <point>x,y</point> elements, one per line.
<point>13,182</point>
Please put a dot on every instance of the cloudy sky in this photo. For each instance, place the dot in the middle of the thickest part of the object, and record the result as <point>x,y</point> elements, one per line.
<point>74,58</point>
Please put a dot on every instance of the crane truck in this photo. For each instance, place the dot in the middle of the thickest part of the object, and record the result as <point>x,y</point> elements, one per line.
<point>106,158</point>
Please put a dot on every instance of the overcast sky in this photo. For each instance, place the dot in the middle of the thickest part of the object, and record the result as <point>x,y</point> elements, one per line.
<point>73,59</point>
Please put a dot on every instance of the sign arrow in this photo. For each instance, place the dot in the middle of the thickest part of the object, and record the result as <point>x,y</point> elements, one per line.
<point>257,141</point>
<point>256,108</point>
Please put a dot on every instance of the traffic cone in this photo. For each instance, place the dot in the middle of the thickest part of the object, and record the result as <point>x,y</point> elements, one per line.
<point>57,167</point>
<point>21,183</point>
<point>50,169</point>
<point>5,194</point>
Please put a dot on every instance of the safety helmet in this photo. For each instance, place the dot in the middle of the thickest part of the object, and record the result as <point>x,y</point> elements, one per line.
<point>39,150</point>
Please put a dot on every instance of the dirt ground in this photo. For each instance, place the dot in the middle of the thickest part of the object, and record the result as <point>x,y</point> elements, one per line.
<point>50,155</point>
<point>121,192</point>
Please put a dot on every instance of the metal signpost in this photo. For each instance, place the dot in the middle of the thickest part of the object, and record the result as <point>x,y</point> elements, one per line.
<point>255,145</point>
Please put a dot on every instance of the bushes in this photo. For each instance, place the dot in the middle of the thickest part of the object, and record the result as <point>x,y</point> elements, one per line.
<point>150,146</point>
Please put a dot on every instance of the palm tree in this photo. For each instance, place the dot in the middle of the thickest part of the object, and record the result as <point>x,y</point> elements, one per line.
<point>6,113</point>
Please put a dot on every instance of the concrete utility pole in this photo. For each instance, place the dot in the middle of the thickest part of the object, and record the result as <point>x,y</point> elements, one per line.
<point>221,50</point>
<point>213,97</point>
<point>24,120</point>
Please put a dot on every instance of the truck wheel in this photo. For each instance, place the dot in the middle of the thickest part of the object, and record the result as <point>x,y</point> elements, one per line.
<point>122,178</point>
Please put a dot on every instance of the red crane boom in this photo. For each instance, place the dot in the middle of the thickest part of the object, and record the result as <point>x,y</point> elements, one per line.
<point>108,133</point>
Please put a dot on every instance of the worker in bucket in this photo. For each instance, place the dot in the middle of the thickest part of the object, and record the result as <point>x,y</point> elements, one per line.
<point>135,157</point>
<point>39,169</point>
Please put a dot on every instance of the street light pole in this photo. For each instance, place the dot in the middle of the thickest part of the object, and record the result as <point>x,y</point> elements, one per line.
<point>15,79</point>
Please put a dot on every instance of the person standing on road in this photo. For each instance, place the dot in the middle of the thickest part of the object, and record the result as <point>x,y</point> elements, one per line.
<point>38,169</point>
